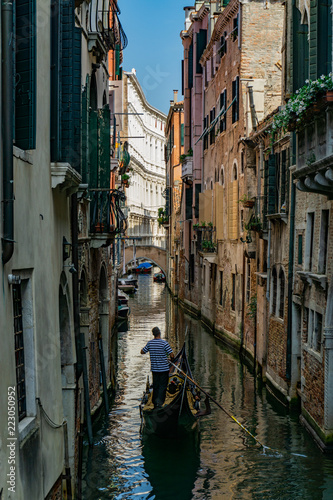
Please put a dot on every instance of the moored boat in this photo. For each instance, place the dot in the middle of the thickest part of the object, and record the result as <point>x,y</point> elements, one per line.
<point>123,311</point>
<point>144,267</point>
<point>181,408</point>
<point>126,287</point>
<point>159,277</point>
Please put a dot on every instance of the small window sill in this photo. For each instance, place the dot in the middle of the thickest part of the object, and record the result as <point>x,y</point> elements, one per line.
<point>23,155</point>
<point>317,355</point>
<point>282,216</point>
<point>309,277</point>
<point>26,426</point>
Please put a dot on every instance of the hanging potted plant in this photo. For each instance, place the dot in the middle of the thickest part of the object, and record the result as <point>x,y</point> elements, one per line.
<point>125,179</point>
<point>246,201</point>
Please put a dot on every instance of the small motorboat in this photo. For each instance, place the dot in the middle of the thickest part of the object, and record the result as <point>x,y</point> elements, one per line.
<point>181,408</point>
<point>126,287</point>
<point>159,277</point>
<point>130,280</point>
<point>123,311</point>
<point>122,298</point>
<point>144,267</point>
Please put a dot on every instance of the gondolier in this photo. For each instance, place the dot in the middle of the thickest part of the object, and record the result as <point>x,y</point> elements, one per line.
<point>158,349</point>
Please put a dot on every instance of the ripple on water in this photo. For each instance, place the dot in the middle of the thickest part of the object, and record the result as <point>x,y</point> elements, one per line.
<point>220,463</point>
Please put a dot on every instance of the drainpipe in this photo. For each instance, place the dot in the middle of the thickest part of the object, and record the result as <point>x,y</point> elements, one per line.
<point>290,277</point>
<point>7,103</point>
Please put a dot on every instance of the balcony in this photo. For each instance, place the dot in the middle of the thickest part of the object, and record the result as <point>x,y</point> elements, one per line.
<point>107,218</point>
<point>314,150</point>
<point>104,28</point>
<point>205,240</point>
<point>187,169</point>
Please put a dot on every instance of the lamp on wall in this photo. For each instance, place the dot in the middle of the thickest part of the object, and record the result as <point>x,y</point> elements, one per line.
<point>66,249</point>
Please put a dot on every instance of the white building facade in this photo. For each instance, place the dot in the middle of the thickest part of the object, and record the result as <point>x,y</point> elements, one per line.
<point>144,128</point>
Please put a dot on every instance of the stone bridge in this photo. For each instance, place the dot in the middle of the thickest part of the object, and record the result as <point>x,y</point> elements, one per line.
<point>156,255</point>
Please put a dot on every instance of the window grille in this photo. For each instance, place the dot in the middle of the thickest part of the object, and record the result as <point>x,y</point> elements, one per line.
<point>19,352</point>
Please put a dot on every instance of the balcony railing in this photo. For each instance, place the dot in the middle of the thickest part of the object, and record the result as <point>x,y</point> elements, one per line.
<point>103,21</point>
<point>314,151</point>
<point>106,215</point>
<point>205,239</point>
<point>187,168</point>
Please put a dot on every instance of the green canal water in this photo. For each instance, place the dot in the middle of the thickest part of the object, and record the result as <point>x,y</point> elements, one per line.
<point>220,461</point>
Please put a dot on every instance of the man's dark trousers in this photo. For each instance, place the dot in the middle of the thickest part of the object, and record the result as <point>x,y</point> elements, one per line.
<point>160,384</point>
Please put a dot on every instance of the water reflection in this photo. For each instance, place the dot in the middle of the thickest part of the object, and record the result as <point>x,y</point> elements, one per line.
<point>225,462</point>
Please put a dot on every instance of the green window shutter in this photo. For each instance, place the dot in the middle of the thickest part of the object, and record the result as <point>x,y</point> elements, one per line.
<point>271,185</point>
<point>189,198</point>
<point>67,57</point>
<point>117,59</point>
<point>201,45</point>
<point>235,94</point>
<point>25,74</point>
<point>84,135</point>
<point>313,39</point>
<point>324,33</point>
<point>283,177</point>
<point>182,134</point>
<point>55,82</point>
<point>104,147</point>
<point>300,67</point>
<point>76,157</point>
<point>190,66</point>
<point>300,249</point>
<point>93,150</point>
<point>265,204</point>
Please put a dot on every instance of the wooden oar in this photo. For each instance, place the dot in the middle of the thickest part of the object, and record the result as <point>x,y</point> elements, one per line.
<point>221,407</point>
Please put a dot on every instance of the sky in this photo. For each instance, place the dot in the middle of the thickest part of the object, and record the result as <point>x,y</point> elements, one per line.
<point>154,46</point>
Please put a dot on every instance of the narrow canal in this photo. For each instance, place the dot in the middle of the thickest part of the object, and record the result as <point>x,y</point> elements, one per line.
<point>221,462</point>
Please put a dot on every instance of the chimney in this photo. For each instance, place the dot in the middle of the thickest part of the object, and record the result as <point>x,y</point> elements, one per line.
<point>187,17</point>
<point>175,96</point>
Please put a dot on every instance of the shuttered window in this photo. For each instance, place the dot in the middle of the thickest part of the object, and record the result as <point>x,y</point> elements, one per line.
<point>223,104</point>
<point>320,38</point>
<point>182,134</point>
<point>271,208</point>
<point>25,74</point>
<point>300,67</point>
<point>212,132</point>
<point>219,190</point>
<point>233,210</point>
<point>196,201</point>
<point>190,66</point>
<point>201,45</point>
<point>235,95</point>
<point>189,198</point>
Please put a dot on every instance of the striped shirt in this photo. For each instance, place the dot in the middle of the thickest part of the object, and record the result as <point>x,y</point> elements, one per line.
<point>158,350</point>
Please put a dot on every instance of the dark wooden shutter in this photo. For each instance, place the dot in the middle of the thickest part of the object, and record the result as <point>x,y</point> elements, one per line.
<point>283,177</point>
<point>182,70</point>
<point>235,94</point>
<point>182,134</point>
<point>196,201</point>
<point>104,147</point>
<point>271,184</point>
<point>93,150</point>
<point>201,45</point>
<point>324,37</point>
<point>55,81</point>
<point>189,198</point>
<point>313,39</point>
<point>190,66</point>
<point>25,77</point>
<point>84,135</point>
<point>300,67</point>
<point>117,60</point>
<point>76,157</point>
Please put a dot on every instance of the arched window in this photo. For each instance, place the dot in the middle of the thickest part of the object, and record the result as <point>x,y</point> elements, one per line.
<point>281,290</point>
<point>234,172</point>
<point>274,290</point>
<point>222,176</point>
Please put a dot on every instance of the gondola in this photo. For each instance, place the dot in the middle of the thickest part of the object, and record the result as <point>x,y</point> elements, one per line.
<point>181,408</point>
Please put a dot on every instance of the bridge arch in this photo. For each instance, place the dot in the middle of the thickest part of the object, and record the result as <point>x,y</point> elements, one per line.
<point>156,255</point>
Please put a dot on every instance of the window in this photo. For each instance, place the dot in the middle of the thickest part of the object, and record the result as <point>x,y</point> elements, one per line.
<point>223,45</point>
<point>248,281</point>
<point>25,74</point>
<point>19,352</point>
<point>222,176</point>
<point>322,261</point>
<point>221,288</point>
<point>234,33</point>
<point>315,330</point>
<point>234,172</point>
<point>281,293</point>
<point>309,241</point>
<point>212,132</point>
<point>233,297</point>
<point>274,290</point>
<point>182,134</point>
<point>205,139</point>
<point>223,105</point>
<point>235,98</point>
<point>300,249</point>
<point>242,162</point>
<point>201,45</point>
<point>242,221</point>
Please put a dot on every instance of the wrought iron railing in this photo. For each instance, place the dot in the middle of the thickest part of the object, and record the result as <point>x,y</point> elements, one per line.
<point>205,238</point>
<point>106,215</point>
<point>103,19</point>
